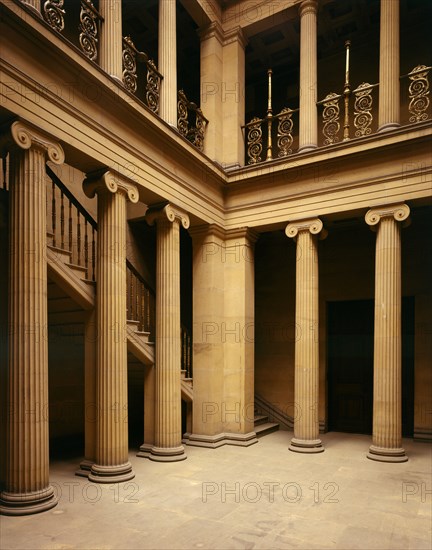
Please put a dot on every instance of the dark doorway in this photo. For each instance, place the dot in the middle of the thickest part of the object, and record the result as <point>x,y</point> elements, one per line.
<point>350,328</point>
<point>350,365</point>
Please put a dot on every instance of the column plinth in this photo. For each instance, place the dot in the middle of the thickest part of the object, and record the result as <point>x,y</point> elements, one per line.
<point>308,116</point>
<point>111,449</point>
<point>387,404</point>
<point>27,489</point>
<point>389,86</point>
<point>168,434</point>
<point>306,363</point>
<point>167,60</point>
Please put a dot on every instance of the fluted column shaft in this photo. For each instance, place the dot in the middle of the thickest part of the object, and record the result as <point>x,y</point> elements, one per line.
<point>306,362</point>
<point>308,125</point>
<point>111,43</point>
<point>168,434</point>
<point>168,61</point>
<point>111,449</point>
<point>27,488</point>
<point>34,4</point>
<point>389,88</point>
<point>387,406</point>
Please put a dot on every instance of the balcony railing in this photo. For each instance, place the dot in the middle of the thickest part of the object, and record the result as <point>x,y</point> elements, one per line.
<point>131,57</point>
<point>283,136</point>
<point>191,122</point>
<point>344,116</point>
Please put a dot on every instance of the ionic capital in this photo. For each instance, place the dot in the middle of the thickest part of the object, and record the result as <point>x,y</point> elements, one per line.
<point>312,225</point>
<point>167,212</point>
<point>24,135</point>
<point>110,182</point>
<point>399,212</point>
<point>308,6</point>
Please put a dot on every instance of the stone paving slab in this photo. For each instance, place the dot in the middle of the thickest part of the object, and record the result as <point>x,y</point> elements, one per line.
<point>260,497</point>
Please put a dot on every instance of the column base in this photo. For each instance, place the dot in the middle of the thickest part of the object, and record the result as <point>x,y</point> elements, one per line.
<point>145,450</point>
<point>388,127</point>
<point>218,440</point>
<point>168,454</point>
<point>23,504</point>
<point>382,454</point>
<point>306,445</point>
<point>307,147</point>
<point>111,474</point>
<point>84,468</point>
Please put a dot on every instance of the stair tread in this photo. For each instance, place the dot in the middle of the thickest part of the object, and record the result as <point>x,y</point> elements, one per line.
<point>267,427</point>
<point>260,419</point>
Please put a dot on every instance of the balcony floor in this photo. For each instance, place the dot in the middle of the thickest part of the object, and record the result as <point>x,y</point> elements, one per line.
<point>258,497</point>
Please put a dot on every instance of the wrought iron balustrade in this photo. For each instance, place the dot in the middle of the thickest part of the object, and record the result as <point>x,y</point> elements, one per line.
<point>186,352</point>
<point>191,122</point>
<point>418,93</point>
<point>284,132</point>
<point>131,57</point>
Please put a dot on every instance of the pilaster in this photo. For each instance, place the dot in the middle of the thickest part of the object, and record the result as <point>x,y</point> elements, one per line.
<point>387,405</point>
<point>306,367</point>
<point>27,489</point>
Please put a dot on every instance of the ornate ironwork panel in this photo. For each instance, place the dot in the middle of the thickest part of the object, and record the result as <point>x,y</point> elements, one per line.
<point>182,113</point>
<point>153,87</point>
<point>331,115</point>
<point>255,140</point>
<point>88,28</point>
<point>129,65</point>
<point>284,132</point>
<point>53,13</point>
<point>418,93</point>
<point>362,109</point>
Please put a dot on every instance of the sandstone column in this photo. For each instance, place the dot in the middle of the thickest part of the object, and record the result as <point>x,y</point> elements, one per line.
<point>111,41</point>
<point>308,126</point>
<point>389,87</point>
<point>34,5</point>
<point>168,61</point>
<point>306,375</point>
<point>168,436</point>
<point>387,407</point>
<point>111,449</point>
<point>27,488</point>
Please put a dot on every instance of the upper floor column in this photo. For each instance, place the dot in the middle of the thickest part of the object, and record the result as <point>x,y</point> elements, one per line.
<point>389,88</point>
<point>168,61</point>
<point>33,4</point>
<point>111,45</point>
<point>308,131</point>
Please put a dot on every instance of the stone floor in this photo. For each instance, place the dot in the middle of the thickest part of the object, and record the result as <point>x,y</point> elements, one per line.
<point>258,497</point>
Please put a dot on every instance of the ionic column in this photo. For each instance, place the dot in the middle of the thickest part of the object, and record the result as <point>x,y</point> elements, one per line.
<point>387,405</point>
<point>306,363</point>
<point>167,60</point>
<point>389,88</point>
<point>111,41</point>
<point>168,434</point>
<point>308,125</point>
<point>111,449</point>
<point>27,489</point>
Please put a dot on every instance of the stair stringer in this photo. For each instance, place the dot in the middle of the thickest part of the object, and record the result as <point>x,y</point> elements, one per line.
<point>274,413</point>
